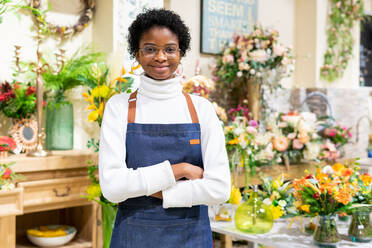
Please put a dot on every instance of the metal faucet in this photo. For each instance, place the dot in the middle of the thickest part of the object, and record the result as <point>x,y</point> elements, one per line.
<point>357,126</point>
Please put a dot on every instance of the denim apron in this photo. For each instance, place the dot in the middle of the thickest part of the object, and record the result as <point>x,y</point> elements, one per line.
<point>142,222</point>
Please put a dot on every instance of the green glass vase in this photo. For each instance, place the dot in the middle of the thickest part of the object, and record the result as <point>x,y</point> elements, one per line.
<point>326,234</point>
<point>253,216</point>
<point>59,127</point>
<point>108,222</point>
<point>360,229</point>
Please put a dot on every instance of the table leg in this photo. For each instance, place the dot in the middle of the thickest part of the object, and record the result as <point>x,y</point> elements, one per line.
<point>226,241</point>
<point>7,232</point>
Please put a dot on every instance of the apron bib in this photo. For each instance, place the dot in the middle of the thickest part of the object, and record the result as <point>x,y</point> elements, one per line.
<point>142,222</point>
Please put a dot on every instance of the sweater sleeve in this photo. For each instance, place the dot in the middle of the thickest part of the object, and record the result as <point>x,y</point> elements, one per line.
<point>215,186</point>
<point>118,182</point>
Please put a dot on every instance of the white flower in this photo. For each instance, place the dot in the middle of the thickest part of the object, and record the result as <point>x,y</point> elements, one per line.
<point>7,186</point>
<point>267,201</point>
<point>328,170</point>
<point>239,74</point>
<point>259,55</point>
<point>282,203</point>
<point>237,131</point>
<point>252,71</point>
<point>279,50</point>
<point>251,130</point>
<point>312,151</point>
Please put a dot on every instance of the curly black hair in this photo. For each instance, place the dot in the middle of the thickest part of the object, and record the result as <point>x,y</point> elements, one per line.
<point>158,17</point>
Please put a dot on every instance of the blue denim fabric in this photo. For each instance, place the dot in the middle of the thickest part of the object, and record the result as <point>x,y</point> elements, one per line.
<point>142,221</point>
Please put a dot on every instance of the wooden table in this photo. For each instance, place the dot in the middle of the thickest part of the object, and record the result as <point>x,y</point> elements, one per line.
<point>281,236</point>
<point>50,193</point>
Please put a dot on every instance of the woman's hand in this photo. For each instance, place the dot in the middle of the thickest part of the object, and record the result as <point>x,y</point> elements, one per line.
<point>187,170</point>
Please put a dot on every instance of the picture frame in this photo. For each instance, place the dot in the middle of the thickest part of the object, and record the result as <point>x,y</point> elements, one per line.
<point>220,19</point>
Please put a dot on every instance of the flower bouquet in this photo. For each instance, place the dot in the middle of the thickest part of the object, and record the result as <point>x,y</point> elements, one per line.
<point>360,229</point>
<point>17,100</point>
<point>278,195</point>
<point>294,136</point>
<point>335,136</point>
<point>327,192</point>
<point>253,55</point>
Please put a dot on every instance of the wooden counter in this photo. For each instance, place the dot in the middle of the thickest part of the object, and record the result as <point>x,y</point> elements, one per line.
<point>50,193</point>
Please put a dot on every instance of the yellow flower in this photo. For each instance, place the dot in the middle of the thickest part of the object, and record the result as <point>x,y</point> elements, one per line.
<point>94,190</point>
<point>93,116</point>
<point>235,196</point>
<point>134,68</point>
<point>233,142</point>
<point>100,110</point>
<point>95,92</point>
<point>367,179</point>
<point>277,211</point>
<point>278,182</point>
<point>305,208</point>
<point>91,107</point>
<point>101,91</point>
<point>88,97</point>
<point>338,167</point>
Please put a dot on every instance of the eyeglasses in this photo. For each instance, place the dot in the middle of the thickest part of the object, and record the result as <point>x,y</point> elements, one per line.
<point>151,51</point>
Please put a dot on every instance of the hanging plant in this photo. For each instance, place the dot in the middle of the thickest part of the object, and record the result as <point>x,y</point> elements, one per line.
<point>342,17</point>
<point>64,31</point>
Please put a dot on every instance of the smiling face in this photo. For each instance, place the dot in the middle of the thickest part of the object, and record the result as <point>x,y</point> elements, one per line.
<point>160,64</point>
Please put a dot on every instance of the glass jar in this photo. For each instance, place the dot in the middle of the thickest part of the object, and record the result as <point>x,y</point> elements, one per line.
<point>360,229</point>
<point>253,216</point>
<point>326,234</point>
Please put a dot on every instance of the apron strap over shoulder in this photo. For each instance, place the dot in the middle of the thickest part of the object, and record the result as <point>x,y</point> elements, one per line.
<point>190,105</point>
<point>132,108</point>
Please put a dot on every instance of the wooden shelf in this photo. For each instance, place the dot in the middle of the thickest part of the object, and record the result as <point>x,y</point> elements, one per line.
<point>78,243</point>
<point>295,171</point>
<point>56,161</point>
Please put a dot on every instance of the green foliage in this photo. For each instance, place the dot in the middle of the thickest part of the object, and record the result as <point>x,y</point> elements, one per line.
<point>93,144</point>
<point>342,17</point>
<point>74,73</point>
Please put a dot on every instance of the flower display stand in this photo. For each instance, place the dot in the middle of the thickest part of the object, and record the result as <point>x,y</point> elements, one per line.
<point>50,193</point>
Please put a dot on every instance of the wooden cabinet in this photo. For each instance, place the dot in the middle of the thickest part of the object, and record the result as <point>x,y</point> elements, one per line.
<point>50,193</point>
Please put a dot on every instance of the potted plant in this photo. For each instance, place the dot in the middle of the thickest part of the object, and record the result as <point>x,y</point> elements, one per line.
<point>59,114</point>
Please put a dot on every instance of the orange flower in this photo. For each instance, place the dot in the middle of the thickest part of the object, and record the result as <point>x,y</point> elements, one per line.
<point>344,195</point>
<point>347,172</point>
<point>280,143</point>
<point>338,167</point>
<point>367,179</point>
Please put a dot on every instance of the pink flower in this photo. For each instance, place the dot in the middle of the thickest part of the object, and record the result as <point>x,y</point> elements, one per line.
<point>251,130</point>
<point>282,124</point>
<point>253,123</point>
<point>291,136</point>
<point>338,4</point>
<point>297,145</point>
<point>228,59</point>
<point>349,133</point>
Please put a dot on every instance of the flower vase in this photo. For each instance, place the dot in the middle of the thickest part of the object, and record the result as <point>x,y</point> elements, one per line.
<point>59,126</point>
<point>326,234</point>
<point>253,216</point>
<point>254,98</point>
<point>360,229</point>
<point>108,222</point>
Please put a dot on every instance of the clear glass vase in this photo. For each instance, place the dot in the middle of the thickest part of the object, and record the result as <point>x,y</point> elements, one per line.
<point>108,222</point>
<point>253,216</point>
<point>360,229</point>
<point>326,234</point>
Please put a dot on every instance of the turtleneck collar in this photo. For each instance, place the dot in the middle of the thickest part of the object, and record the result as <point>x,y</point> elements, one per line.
<point>160,89</point>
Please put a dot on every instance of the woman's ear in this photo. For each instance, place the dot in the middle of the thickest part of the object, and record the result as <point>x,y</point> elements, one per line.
<point>137,56</point>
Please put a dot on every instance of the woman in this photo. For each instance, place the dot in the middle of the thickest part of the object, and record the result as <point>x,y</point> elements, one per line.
<point>162,153</point>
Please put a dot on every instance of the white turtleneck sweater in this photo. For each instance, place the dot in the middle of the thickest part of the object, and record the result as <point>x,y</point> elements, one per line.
<point>162,102</point>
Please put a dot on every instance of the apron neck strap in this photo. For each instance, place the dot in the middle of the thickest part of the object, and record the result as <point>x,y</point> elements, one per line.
<point>132,108</point>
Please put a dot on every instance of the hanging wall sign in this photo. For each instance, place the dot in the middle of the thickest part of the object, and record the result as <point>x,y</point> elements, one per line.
<point>220,19</point>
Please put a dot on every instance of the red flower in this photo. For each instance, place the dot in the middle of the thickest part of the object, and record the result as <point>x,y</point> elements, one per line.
<point>2,98</point>
<point>316,195</point>
<point>309,177</point>
<point>16,85</point>
<point>8,141</point>
<point>30,90</point>
<point>7,173</point>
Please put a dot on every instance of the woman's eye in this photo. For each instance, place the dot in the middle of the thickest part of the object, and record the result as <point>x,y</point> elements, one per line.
<point>150,49</point>
<point>170,50</point>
